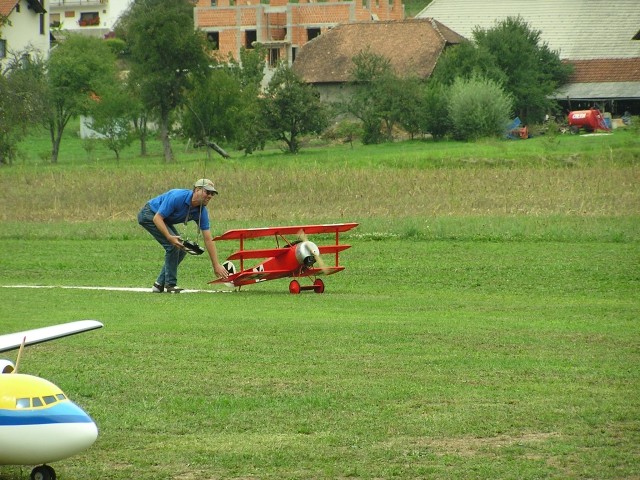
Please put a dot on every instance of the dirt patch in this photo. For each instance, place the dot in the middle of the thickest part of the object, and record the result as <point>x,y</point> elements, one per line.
<point>470,446</point>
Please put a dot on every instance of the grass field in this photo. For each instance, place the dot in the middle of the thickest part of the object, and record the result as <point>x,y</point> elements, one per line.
<point>486,325</point>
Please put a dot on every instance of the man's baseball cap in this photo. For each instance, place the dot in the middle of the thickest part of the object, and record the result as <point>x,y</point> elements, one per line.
<point>206,184</point>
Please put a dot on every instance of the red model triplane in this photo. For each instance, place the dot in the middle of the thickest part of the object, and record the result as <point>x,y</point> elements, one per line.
<point>293,259</point>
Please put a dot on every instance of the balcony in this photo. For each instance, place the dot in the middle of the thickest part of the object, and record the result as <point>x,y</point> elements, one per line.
<point>75,3</point>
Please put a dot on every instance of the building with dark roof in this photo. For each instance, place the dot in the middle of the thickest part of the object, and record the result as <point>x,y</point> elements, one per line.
<point>411,46</point>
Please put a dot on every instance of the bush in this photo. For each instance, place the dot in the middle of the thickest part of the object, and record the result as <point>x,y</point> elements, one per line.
<point>345,131</point>
<point>436,115</point>
<point>478,108</point>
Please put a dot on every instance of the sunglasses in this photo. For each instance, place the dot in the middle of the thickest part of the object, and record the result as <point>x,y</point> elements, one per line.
<point>210,193</point>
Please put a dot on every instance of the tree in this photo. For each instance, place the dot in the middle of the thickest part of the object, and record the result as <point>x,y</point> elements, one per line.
<point>370,72</point>
<point>434,117</point>
<point>382,99</point>
<point>111,117</point>
<point>411,105</point>
<point>251,133</point>
<point>466,60</point>
<point>533,72</point>
<point>250,70</point>
<point>140,114</point>
<point>512,55</point>
<point>22,101</point>
<point>213,110</point>
<point>222,106</point>
<point>291,108</point>
<point>166,55</point>
<point>78,70</point>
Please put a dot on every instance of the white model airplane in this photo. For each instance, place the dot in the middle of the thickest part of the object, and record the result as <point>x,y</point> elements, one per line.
<point>38,423</point>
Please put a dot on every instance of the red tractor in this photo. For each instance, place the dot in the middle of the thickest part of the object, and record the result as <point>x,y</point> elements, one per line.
<point>591,120</point>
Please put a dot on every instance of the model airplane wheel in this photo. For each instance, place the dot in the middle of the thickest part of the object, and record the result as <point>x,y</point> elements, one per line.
<point>43,472</point>
<point>318,286</point>
<point>294,287</point>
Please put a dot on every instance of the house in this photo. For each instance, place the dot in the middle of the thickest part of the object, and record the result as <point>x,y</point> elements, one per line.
<point>87,17</point>
<point>600,38</point>
<point>282,27</point>
<point>412,46</point>
<point>27,28</point>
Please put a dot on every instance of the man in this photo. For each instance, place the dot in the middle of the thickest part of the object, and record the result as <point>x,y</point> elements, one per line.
<point>159,216</point>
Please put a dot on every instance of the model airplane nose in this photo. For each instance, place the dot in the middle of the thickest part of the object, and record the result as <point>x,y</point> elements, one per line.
<point>43,436</point>
<point>306,253</point>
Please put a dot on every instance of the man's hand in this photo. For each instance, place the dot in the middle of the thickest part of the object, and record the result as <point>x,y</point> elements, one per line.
<point>220,271</point>
<point>176,242</point>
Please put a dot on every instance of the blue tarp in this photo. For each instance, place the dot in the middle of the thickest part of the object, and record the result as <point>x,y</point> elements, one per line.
<point>512,126</point>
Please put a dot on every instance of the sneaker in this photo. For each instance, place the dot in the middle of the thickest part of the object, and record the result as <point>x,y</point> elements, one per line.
<point>157,288</point>
<point>173,289</point>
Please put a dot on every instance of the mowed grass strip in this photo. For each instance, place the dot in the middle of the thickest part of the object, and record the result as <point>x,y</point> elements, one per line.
<point>445,359</point>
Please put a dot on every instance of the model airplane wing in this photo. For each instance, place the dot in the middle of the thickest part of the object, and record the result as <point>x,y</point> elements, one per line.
<point>244,233</point>
<point>251,276</point>
<point>314,272</point>
<point>332,248</point>
<point>12,341</point>
<point>275,252</point>
<point>260,253</point>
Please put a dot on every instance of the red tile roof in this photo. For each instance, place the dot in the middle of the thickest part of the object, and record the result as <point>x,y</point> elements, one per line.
<point>606,70</point>
<point>7,6</point>
<point>412,47</point>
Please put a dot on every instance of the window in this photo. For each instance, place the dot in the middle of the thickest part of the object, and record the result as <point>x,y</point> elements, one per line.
<point>36,402</point>
<point>23,402</point>
<point>42,24</point>
<point>3,48</point>
<point>294,52</point>
<point>312,33</point>
<point>274,57</point>
<point>54,20</point>
<point>250,36</point>
<point>214,38</point>
<point>60,396</point>
<point>49,399</point>
<point>89,19</point>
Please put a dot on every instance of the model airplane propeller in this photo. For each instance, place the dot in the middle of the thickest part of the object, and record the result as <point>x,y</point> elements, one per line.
<point>38,423</point>
<point>315,252</point>
<point>298,259</point>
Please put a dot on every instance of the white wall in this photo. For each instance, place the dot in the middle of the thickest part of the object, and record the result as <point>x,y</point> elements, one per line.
<point>109,11</point>
<point>24,31</point>
<point>116,8</point>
